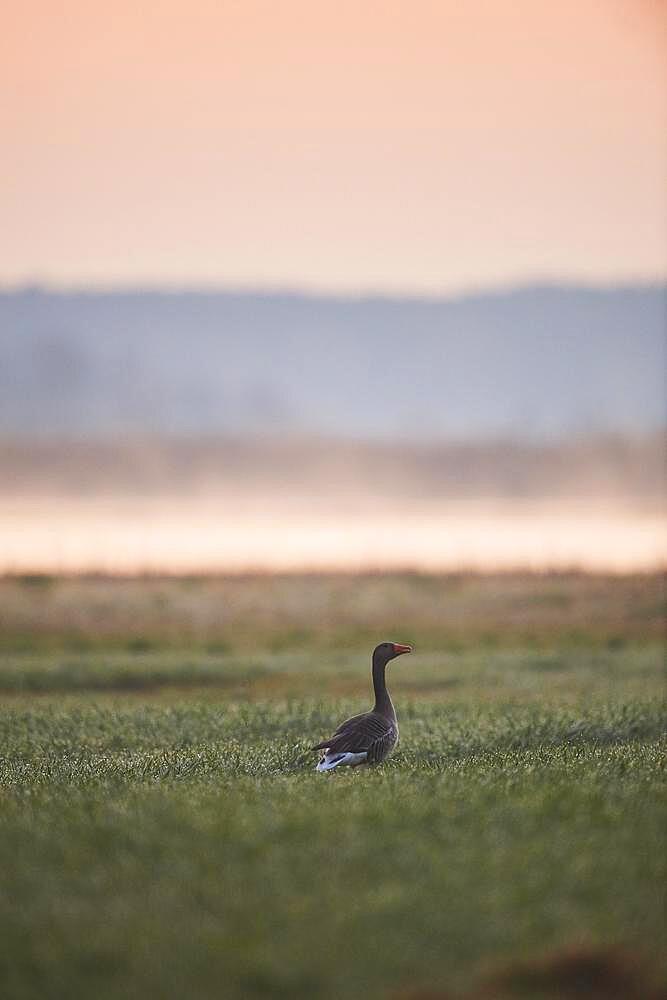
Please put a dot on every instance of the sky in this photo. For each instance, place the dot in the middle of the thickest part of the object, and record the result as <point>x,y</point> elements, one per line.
<point>402,147</point>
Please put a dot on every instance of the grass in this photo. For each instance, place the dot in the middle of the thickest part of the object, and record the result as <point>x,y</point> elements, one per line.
<point>287,613</point>
<point>479,674</point>
<point>163,833</point>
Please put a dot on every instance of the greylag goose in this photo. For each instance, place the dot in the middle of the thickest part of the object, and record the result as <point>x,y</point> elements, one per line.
<point>370,737</point>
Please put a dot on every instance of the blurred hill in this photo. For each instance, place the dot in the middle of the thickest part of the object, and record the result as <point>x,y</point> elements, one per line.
<point>530,364</point>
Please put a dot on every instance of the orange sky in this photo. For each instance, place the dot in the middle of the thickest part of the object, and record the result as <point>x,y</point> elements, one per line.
<point>401,146</point>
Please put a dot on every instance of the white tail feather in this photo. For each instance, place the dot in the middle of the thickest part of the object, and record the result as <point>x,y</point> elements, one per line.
<point>331,760</point>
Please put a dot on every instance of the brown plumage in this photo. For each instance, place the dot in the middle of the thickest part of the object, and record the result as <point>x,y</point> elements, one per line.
<point>370,737</point>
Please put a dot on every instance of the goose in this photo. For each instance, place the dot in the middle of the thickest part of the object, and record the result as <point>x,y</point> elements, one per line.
<point>370,737</point>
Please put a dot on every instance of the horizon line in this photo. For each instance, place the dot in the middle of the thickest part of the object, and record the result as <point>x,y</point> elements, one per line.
<point>275,290</point>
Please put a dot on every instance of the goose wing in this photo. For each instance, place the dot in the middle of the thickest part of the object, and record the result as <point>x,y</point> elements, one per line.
<point>370,733</point>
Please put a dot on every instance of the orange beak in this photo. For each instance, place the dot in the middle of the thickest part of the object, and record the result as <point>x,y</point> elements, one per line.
<point>398,649</point>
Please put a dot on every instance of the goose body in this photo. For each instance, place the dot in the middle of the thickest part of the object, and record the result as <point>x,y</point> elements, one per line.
<point>370,737</point>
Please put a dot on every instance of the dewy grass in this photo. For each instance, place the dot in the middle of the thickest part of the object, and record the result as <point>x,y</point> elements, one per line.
<point>191,850</point>
<point>163,833</point>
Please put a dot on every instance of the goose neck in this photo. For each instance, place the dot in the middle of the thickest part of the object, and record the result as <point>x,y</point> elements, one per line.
<point>383,702</point>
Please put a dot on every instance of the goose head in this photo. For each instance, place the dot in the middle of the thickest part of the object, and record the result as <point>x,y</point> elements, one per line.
<point>387,651</point>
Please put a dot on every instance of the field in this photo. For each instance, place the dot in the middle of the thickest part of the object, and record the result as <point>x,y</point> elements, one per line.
<point>163,833</point>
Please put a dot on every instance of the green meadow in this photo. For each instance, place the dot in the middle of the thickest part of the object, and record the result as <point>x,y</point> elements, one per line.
<point>163,833</point>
